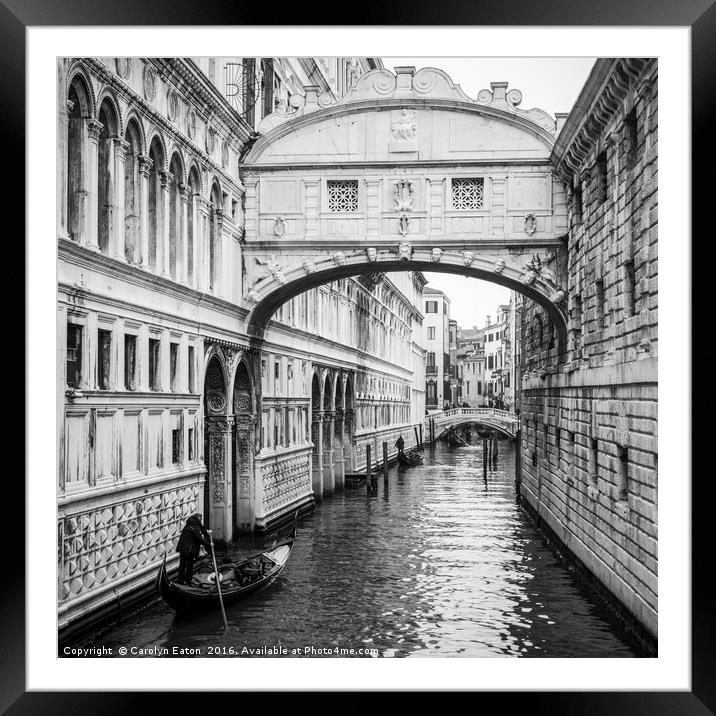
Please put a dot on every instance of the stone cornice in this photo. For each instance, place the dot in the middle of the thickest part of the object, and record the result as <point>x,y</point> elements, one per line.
<point>78,255</point>
<point>600,99</point>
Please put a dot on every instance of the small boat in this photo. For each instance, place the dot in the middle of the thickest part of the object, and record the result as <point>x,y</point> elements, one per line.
<point>454,440</point>
<point>410,458</point>
<point>238,579</point>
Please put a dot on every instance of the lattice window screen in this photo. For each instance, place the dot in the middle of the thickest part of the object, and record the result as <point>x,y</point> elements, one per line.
<point>343,195</point>
<point>467,193</point>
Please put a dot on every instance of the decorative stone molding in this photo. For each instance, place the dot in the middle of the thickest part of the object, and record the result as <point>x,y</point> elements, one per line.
<point>403,195</point>
<point>191,123</point>
<point>124,67</point>
<point>172,105</point>
<point>225,153</point>
<point>530,224</point>
<point>94,129</point>
<point>403,225</point>
<point>275,269</point>
<point>210,142</point>
<point>279,226</point>
<point>405,251</point>
<point>145,164</point>
<point>253,296</point>
<point>150,83</point>
<point>499,97</point>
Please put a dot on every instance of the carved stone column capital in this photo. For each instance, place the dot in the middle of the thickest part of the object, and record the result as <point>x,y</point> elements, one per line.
<point>94,128</point>
<point>145,164</point>
<point>120,148</point>
<point>165,179</point>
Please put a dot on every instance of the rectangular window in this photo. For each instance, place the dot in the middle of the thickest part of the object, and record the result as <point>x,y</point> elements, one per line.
<point>599,297</point>
<point>130,362</point>
<point>593,461</point>
<point>431,333</point>
<point>176,445</point>
<point>74,355</point>
<point>190,446</point>
<point>277,375</point>
<point>173,357</point>
<point>267,81</point>
<point>431,307</point>
<point>467,194</point>
<point>631,139</point>
<point>104,353</point>
<point>342,195</point>
<point>622,473</point>
<point>154,354</point>
<point>467,387</point>
<point>479,387</point>
<point>629,288</point>
<point>602,179</point>
<point>191,369</point>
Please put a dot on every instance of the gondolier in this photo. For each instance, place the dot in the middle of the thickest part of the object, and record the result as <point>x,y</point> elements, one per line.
<point>400,444</point>
<point>190,541</point>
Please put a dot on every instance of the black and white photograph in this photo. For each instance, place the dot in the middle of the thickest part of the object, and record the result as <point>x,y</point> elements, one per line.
<point>357,357</point>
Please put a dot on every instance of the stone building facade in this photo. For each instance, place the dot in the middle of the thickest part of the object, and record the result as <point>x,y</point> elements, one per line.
<point>164,407</point>
<point>437,348</point>
<point>589,457</point>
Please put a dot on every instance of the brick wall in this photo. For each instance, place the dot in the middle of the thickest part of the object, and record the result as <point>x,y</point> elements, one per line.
<point>589,448</point>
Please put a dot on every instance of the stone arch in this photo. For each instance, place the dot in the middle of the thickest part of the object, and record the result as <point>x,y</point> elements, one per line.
<point>214,247</point>
<point>176,215</point>
<point>244,410</point>
<point>110,130</point>
<point>134,144</point>
<point>194,191</point>
<point>329,418</point>
<point>155,219</point>
<point>269,293</point>
<point>489,424</point>
<point>217,431</point>
<point>106,99</point>
<point>80,111</point>
<point>134,118</point>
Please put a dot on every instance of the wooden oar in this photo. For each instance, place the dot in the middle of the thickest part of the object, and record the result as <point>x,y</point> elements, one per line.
<point>218,580</point>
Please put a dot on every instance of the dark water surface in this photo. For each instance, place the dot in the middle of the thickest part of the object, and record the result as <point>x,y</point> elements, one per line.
<point>438,563</point>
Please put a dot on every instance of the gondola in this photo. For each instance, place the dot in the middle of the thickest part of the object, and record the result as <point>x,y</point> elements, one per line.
<point>238,579</point>
<point>410,458</point>
<point>454,441</point>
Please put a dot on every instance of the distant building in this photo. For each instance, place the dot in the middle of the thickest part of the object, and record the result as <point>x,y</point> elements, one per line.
<point>437,345</point>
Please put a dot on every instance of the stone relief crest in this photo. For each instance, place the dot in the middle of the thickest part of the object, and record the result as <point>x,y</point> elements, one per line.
<point>173,105</point>
<point>406,127</point>
<point>275,269</point>
<point>279,226</point>
<point>530,224</point>
<point>405,251</point>
<point>124,67</point>
<point>210,139</point>
<point>150,83</point>
<point>191,124</point>
<point>436,255</point>
<point>217,403</point>
<point>403,195</point>
<point>468,257</point>
<point>372,253</point>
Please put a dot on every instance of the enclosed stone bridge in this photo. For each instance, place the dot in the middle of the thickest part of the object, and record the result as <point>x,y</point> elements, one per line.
<point>501,421</point>
<point>405,173</point>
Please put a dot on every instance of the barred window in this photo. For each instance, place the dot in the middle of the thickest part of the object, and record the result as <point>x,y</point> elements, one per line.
<point>343,195</point>
<point>467,193</point>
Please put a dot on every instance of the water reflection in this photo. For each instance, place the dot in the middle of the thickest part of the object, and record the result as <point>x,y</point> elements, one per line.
<point>437,562</point>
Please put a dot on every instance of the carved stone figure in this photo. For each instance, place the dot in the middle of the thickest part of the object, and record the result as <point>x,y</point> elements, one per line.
<point>309,266</point>
<point>340,258</point>
<point>406,127</point>
<point>557,296</point>
<point>403,225</point>
<point>253,296</point>
<point>405,251</point>
<point>150,82</point>
<point>530,224</point>
<point>275,269</point>
<point>436,255</point>
<point>468,257</point>
<point>279,226</point>
<point>499,266</point>
<point>372,254</point>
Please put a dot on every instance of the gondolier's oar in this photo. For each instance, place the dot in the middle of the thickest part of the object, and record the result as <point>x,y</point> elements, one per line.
<point>218,580</point>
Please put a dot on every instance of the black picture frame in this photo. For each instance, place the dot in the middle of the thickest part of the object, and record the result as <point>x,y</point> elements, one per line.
<point>699,15</point>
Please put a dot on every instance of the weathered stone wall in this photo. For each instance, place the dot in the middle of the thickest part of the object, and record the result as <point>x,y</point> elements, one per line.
<point>589,449</point>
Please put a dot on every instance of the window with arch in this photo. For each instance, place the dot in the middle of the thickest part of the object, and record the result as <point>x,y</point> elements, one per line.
<point>79,110</point>
<point>194,192</point>
<point>132,206</point>
<point>155,218</point>
<point>106,210</point>
<point>214,236</point>
<point>176,209</point>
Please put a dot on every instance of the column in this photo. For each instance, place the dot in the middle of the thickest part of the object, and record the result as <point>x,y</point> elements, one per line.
<point>317,457</point>
<point>63,161</point>
<point>348,453</point>
<point>329,478</point>
<point>92,172</point>
<point>202,239</point>
<point>145,167</point>
<point>183,254</point>
<point>163,233</point>
<point>218,465</point>
<point>117,239</point>
<point>243,470</point>
<point>215,280</point>
<point>339,467</point>
<point>196,240</point>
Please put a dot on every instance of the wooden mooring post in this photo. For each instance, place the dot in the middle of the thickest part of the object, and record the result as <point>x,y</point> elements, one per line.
<point>368,476</point>
<point>417,439</point>
<point>421,436</point>
<point>484,458</point>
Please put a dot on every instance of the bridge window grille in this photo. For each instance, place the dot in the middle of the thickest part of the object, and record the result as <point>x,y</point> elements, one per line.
<point>343,195</point>
<point>467,193</point>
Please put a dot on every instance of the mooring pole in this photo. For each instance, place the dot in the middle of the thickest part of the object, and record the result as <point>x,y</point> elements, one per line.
<point>385,460</point>
<point>496,446</point>
<point>421,436</point>
<point>484,458</point>
<point>417,439</point>
<point>368,481</point>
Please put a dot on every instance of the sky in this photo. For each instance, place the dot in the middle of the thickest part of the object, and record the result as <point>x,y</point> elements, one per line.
<point>549,83</point>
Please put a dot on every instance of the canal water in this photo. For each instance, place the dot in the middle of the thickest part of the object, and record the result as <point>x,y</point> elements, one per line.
<point>439,562</point>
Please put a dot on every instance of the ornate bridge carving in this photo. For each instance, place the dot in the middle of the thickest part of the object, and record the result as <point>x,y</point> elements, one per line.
<point>405,173</point>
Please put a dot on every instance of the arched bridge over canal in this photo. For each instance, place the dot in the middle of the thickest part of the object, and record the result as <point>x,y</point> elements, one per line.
<point>502,421</point>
